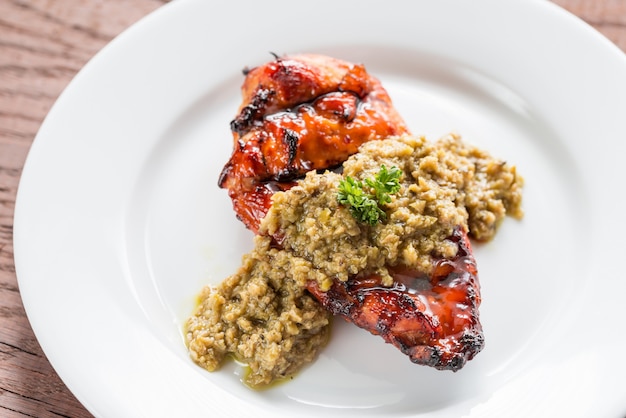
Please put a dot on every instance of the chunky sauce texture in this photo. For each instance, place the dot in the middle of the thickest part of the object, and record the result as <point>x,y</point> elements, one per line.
<point>411,279</point>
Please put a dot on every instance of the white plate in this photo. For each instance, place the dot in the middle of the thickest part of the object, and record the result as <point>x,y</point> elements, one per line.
<point>119,221</point>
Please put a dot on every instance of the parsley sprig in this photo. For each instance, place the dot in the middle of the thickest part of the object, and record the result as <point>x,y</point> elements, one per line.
<point>365,200</point>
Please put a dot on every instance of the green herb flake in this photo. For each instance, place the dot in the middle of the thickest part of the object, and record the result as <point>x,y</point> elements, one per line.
<point>365,201</point>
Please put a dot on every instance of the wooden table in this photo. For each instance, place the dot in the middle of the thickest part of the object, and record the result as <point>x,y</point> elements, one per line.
<point>43,44</point>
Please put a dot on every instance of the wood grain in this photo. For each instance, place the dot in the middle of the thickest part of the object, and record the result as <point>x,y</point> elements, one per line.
<point>43,44</point>
<point>607,16</point>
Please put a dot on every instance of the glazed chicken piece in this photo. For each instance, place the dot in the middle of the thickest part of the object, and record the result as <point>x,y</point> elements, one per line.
<point>433,320</point>
<point>309,112</point>
<point>300,113</point>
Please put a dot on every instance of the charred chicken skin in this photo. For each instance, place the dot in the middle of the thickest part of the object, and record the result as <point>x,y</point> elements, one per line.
<point>310,112</point>
<point>433,320</point>
<point>300,113</point>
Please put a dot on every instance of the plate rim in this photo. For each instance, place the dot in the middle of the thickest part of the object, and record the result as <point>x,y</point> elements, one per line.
<point>145,25</point>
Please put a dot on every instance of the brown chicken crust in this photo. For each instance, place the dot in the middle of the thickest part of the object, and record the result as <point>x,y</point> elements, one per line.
<point>311,112</point>
<point>433,320</point>
<point>300,113</point>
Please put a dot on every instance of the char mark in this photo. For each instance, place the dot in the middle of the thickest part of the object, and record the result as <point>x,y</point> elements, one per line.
<point>291,139</point>
<point>251,113</point>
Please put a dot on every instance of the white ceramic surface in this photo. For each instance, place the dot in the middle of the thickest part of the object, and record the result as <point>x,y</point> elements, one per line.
<point>119,221</point>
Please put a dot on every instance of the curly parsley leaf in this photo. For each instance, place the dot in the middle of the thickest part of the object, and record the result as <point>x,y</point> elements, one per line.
<point>386,182</point>
<point>365,203</point>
